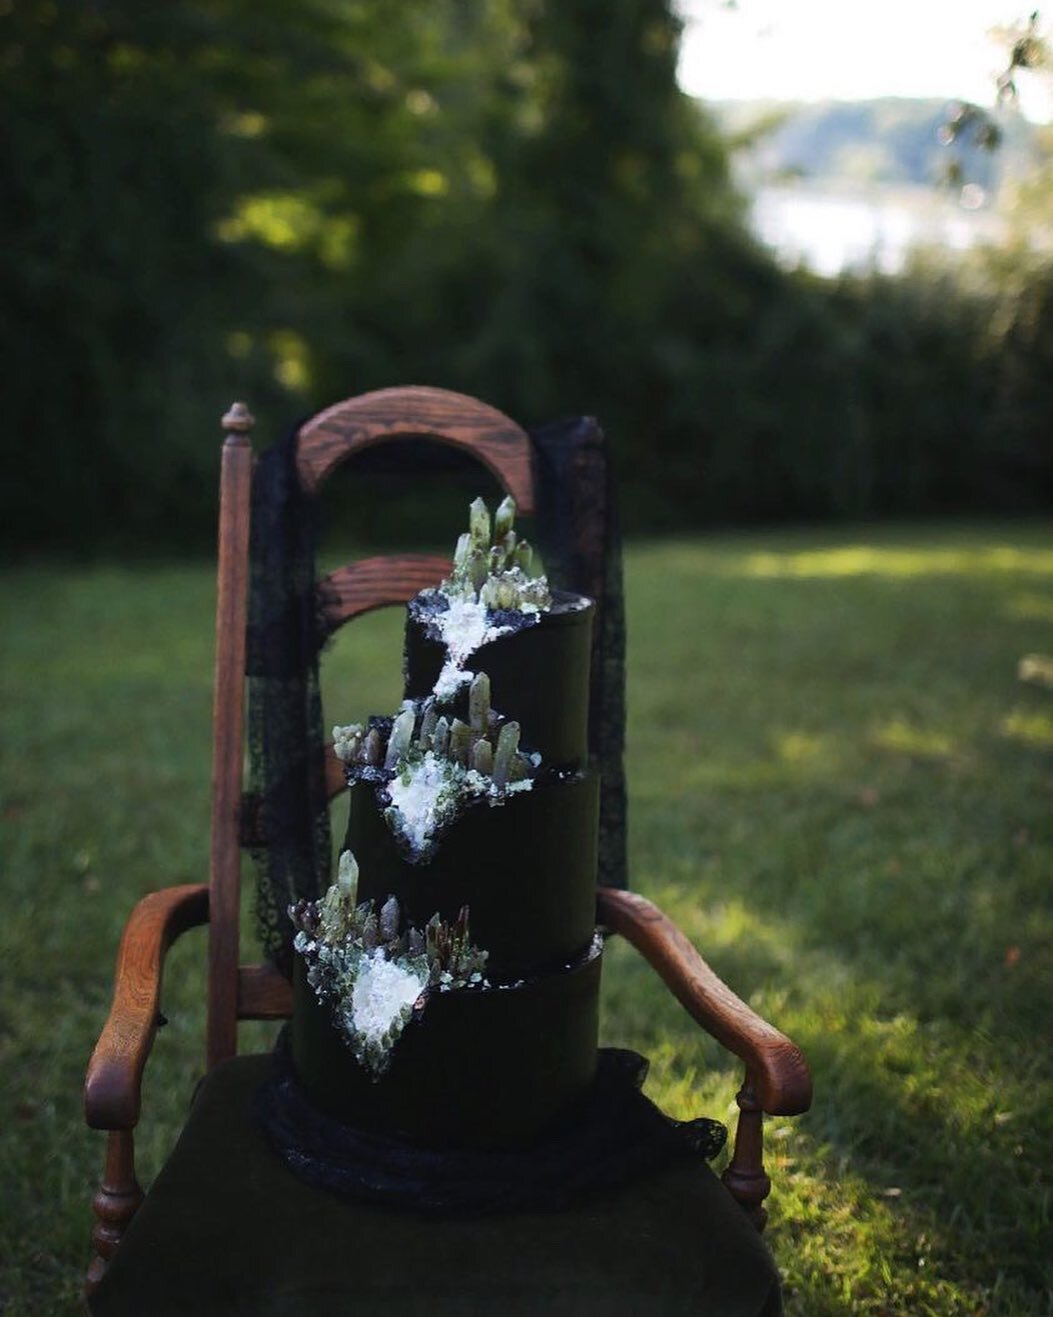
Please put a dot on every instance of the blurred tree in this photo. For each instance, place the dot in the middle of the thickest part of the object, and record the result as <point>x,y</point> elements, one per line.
<point>611,268</point>
<point>510,198</point>
<point>185,190</point>
<point>1017,273</point>
<point>294,203</point>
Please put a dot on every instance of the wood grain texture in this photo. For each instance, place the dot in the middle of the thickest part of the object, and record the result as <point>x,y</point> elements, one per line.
<point>335,779</point>
<point>334,435</point>
<point>377,582</point>
<point>227,734</point>
<point>116,1201</point>
<point>112,1086</point>
<point>778,1072</point>
<point>264,993</point>
<point>745,1177</point>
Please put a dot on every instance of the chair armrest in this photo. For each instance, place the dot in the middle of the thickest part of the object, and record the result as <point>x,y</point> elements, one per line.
<point>112,1086</point>
<point>777,1071</point>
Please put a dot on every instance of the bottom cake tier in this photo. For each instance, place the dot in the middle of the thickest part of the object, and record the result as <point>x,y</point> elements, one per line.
<point>492,1067</point>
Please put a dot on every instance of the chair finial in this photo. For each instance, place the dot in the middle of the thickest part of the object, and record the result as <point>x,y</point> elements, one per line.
<point>238,422</point>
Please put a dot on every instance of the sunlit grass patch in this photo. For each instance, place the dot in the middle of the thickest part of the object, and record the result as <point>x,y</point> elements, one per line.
<point>1036,669</point>
<point>1028,727</point>
<point>872,560</point>
<point>909,739</point>
<point>799,747</point>
<point>1030,607</point>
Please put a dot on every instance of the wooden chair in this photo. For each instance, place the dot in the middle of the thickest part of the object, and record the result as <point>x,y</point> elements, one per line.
<point>776,1076</point>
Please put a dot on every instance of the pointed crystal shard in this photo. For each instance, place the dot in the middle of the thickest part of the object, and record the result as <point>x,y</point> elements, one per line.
<point>462,551</point>
<point>459,936</point>
<point>504,517</point>
<point>479,702</point>
<point>428,719</point>
<point>371,747</point>
<point>507,745</point>
<point>460,742</point>
<point>479,524</point>
<point>483,757</point>
<point>488,593</point>
<point>390,916</point>
<point>524,557</point>
<point>440,741</point>
<point>347,876</point>
<point>401,737</point>
<point>478,567</point>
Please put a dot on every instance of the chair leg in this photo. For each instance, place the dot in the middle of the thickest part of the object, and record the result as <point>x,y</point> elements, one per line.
<point>115,1203</point>
<point>745,1177</point>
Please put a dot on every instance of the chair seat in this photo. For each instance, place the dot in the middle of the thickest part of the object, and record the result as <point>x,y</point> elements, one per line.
<point>227,1228</point>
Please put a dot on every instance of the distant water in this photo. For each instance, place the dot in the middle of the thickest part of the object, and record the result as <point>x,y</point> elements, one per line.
<point>832,232</point>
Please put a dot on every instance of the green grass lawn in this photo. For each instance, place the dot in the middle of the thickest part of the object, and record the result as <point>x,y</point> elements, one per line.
<point>839,788</point>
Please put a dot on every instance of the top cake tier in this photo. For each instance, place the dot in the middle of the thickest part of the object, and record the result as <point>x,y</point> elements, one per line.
<point>539,676</point>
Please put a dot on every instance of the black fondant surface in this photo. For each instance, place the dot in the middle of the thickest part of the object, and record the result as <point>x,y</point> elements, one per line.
<point>538,676</point>
<point>479,1069</point>
<point>526,869</point>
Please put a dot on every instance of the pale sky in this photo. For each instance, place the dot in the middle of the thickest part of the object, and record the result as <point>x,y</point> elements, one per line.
<point>848,50</point>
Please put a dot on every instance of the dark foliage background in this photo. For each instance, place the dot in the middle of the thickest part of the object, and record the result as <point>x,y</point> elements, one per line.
<point>291,203</point>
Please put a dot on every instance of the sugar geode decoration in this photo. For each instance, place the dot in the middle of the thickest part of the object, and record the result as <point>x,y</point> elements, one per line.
<point>428,766</point>
<point>375,973</point>
<point>427,769</point>
<point>489,593</point>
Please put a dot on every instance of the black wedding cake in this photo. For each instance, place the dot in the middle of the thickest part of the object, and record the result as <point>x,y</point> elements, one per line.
<point>446,986</point>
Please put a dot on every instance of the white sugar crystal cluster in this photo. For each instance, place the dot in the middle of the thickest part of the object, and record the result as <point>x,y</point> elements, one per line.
<point>442,766</point>
<point>383,995</point>
<point>385,992</point>
<point>424,797</point>
<point>464,626</point>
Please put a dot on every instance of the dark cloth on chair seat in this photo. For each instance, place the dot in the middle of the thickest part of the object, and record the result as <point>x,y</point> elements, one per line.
<point>611,1137</point>
<point>227,1228</point>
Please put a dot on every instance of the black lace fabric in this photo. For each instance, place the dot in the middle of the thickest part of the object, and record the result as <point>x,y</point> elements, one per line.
<point>580,540</point>
<point>614,1136</point>
<point>286,821</point>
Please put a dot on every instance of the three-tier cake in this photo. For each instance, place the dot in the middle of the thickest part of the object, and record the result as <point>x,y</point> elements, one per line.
<point>446,987</point>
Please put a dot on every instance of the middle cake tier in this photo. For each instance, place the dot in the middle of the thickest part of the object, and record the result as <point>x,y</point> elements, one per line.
<point>526,869</point>
<point>539,675</point>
